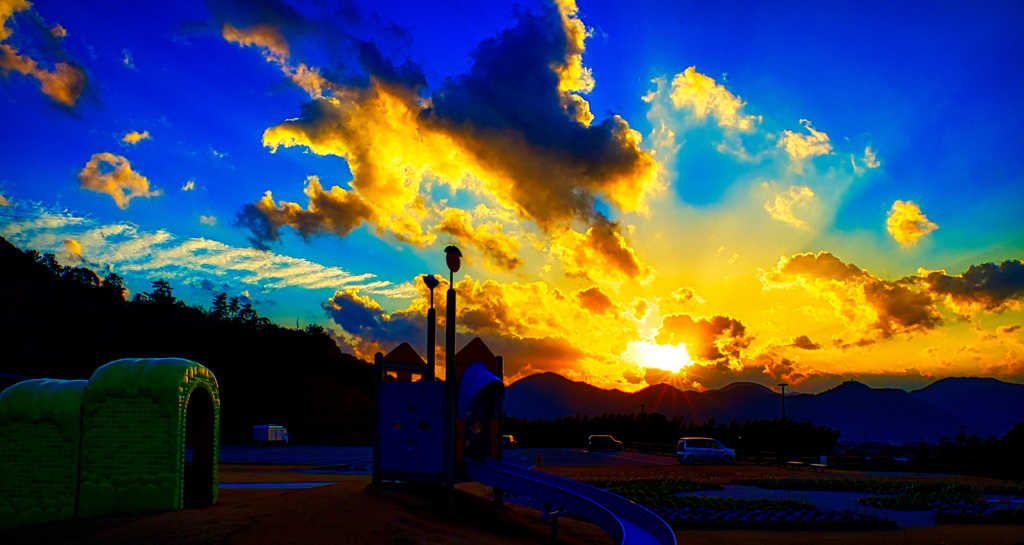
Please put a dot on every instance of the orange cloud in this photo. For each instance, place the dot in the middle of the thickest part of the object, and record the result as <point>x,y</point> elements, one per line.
<point>906,223</point>
<point>74,250</point>
<point>706,339</point>
<point>4,202</point>
<point>601,254</point>
<point>135,137</point>
<point>640,308</point>
<point>64,84</point>
<point>498,248</point>
<point>266,37</point>
<point>686,296</point>
<point>595,300</point>
<point>877,308</point>
<point>805,342</point>
<point>113,175</point>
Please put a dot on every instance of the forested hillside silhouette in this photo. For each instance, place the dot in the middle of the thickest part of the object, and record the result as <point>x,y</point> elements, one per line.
<point>64,322</point>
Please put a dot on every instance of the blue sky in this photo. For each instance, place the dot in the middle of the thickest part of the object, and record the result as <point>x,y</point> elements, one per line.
<point>737,152</point>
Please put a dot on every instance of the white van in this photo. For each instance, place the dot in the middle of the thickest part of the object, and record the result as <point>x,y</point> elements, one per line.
<point>270,434</point>
<point>703,449</point>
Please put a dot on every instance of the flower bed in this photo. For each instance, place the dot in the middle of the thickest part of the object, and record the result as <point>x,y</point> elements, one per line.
<point>975,513</point>
<point>771,519</point>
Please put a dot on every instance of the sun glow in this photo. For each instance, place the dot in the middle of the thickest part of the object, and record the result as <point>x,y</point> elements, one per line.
<point>667,357</point>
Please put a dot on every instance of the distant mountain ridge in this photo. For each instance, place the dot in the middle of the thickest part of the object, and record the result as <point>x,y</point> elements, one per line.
<point>983,406</point>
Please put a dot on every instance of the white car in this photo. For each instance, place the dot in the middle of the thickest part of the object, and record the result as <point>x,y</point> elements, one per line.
<point>703,449</point>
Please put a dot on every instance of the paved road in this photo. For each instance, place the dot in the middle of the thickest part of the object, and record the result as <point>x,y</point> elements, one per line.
<point>362,457</point>
<point>526,457</point>
<point>357,458</point>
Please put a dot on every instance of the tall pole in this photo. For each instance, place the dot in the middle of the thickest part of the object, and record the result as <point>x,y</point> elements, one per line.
<point>431,283</point>
<point>452,258</point>
<point>782,423</point>
<point>783,385</point>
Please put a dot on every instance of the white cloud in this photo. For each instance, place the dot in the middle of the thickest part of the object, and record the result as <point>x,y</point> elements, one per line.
<point>125,249</point>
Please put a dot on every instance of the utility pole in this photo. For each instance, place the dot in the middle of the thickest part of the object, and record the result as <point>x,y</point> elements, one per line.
<point>782,423</point>
<point>643,423</point>
<point>783,385</point>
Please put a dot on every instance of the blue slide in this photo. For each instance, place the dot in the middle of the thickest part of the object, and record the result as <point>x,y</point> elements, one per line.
<point>627,522</point>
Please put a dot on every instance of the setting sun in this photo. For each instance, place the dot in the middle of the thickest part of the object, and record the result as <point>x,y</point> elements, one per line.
<point>667,357</point>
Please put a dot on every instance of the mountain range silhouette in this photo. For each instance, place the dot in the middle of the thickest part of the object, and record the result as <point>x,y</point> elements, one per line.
<point>983,406</point>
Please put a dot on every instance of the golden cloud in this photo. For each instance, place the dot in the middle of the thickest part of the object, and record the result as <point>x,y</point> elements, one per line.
<point>189,186</point>
<point>113,175</point>
<point>208,220</point>
<point>640,308</point>
<point>801,147</point>
<point>601,254</point>
<point>74,249</point>
<point>782,208</point>
<point>906,223</point>
<point>691,89</point>
<point>135,137</point>
<point>877,308</point>
<point>514,319</point>
<point>573,77</point>
<point>64,84</point>
<point>543,160</point>
<point>706,339</point>
<point>498,249</point>
<point>4,202</point>
<point>686,296</point>
<point>266,37</point>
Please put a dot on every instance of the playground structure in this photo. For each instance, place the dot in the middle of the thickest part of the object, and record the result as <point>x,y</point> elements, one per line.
<point>450,431</point>
<point>139,435</point>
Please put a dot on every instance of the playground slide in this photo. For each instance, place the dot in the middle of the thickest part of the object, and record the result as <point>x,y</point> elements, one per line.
<point>627,522</point>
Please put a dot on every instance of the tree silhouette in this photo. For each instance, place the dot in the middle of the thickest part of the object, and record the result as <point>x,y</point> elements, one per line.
<point>114,284</point>
<point>220,307</point>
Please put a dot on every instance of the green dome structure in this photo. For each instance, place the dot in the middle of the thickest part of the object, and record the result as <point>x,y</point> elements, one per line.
<point>139,435</point>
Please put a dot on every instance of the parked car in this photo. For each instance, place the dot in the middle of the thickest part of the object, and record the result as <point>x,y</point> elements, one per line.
<point>507,441</point>
<point>271,434</point>
<point>690,450</point>
<point>607,442</point>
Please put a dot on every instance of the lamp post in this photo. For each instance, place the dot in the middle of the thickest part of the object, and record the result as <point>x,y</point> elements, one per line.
<point>431,283</point>
<point>453,258</point>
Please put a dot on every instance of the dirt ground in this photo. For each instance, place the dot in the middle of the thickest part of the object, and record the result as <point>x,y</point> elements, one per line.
<point>353,512</point>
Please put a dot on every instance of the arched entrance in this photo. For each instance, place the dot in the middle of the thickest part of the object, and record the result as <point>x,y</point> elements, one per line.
<point>199,451</point>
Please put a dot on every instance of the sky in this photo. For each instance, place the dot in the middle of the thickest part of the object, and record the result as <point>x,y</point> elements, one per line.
<point>643,192</point>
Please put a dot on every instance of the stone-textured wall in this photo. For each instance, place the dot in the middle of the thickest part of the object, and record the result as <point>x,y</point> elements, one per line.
<point>130,462</point>
<point>39,444</point>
